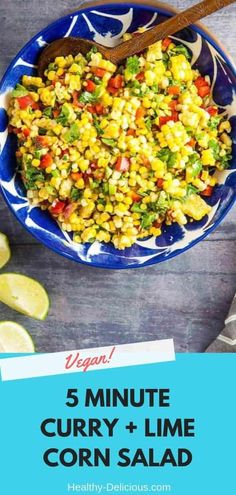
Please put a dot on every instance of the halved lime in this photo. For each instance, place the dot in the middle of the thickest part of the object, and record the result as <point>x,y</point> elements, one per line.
<point>24,294</point>
<point>14,338</point>
<point>5,252</point>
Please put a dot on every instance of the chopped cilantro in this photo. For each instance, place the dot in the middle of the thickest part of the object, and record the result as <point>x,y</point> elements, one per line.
<point>147,220</point>
<point>89,54</point>
<point>47,112</point>
<point>132,65</point>
<point>190,190</point>
<point>225,161</point>
<point>64,115</point>
<point>181,49</point>
<point>72,134</point>
<point>136,208</point>
<point>164,154</point>
<point>19,91</point>
<point>55,173</point>
<point>52,66</point>
<point>215,147</point>
<point>96,124</point>
<point>167,156</point>
<point>214,122</point>
<point>32,175</point>
<point>75,194</point>
<point>172,159</point>
<point>148,123</point>
<point>87,97</point>
<point>195,163</point>
<point>42,131</point>
<point>109,142</point>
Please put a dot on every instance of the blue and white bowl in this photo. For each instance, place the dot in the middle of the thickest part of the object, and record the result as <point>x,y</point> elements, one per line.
<point>106,24</point>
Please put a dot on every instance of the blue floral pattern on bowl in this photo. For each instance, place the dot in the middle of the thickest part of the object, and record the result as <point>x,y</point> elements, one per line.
<point>106,24</point>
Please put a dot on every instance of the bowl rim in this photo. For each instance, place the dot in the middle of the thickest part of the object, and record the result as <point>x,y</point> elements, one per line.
<point>151,5</point>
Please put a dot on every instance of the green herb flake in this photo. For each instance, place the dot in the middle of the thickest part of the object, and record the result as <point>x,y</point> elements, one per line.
<point>96,124</point>
<point>75,194</point>
<point>181,49</point>
<point>19,91</point>
<point>42,131</point>
<point>87,97</point>
<point>190,190</point>
<point>72,134</point>
<point>214,122</point>
<point>64,115</point>
<point>164,154</point>
<point>32,175</point>
<point>215,147</point>
<point>47,112</point>
<point>147,220</point>
<point>132,65</point>
<point>136,208</point>
<point>109,142</point>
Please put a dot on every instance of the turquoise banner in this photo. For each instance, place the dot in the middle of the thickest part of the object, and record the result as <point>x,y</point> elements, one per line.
<point>160,428</point>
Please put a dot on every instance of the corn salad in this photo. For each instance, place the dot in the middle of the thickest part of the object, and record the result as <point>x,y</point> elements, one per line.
<point>115,152</point>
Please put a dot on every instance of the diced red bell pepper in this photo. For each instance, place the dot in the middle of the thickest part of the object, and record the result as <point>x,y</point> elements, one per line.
<point>100,109</point>
<point>76,176</point>
<point>56,113</point>
<point>207,192</point>
<point>202,86</point>
<point>99,173</point>
<point>46,161</point>
<point>160,183</point>
<point>213,111</point>
<point>112,90</point>
<point>57,207</point>
<point>157,224</point>
<point>26,132</point>
<point>192,143</point>
<point>68,210</point>
<point>90,86</point>
<point>41,142</point>
<point>98,72</point>
<point>116,82</point>
<point>26,101</point>
<point>122,164</point>
<point>91,108</point>
<point>131,132</point>
<point>64,152</point>
<point>173,104</point>
<point>140,76</point>
<point>164,120</point>
<point>200,82</point>
<point>174,90</point>
<point>140,112</point>
<point>75,96</point>
<point>136,197</point>
<point>93,165</point>
<point>204,91</point>
<point>166,43</point>
<point>145,161</point>
<point>13,130</point>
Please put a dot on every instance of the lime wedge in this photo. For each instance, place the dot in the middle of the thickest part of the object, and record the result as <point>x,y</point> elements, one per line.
<point>14,338</point>
<point>24,294</point>
<point>5,252</point>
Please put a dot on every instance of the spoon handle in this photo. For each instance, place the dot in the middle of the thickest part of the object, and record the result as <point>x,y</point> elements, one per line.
<point>171,26</point>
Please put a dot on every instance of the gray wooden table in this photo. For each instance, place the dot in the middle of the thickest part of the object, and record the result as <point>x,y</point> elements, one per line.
<point>186,298</point>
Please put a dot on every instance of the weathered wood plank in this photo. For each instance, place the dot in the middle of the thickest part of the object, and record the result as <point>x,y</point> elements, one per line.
<point>186,298</point>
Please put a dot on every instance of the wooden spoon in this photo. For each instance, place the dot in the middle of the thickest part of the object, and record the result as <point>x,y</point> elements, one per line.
<point>73,46</point>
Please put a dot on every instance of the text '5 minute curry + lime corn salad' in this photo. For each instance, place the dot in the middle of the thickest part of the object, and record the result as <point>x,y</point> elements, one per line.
<point>115,152</point>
